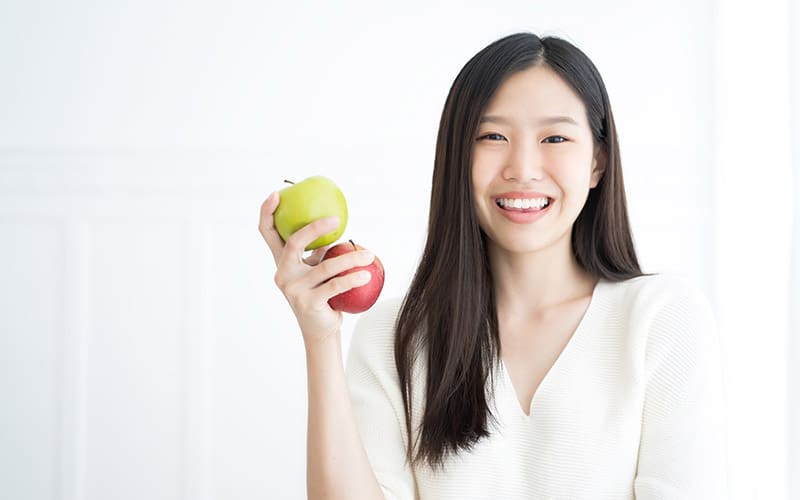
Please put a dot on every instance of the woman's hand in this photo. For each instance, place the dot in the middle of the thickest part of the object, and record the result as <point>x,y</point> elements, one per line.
<point>308,283</point>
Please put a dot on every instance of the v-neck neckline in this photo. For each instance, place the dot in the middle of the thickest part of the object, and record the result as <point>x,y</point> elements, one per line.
<point>570,346</point>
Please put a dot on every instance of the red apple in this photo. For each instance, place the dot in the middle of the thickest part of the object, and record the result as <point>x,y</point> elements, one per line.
<point>361,298</point>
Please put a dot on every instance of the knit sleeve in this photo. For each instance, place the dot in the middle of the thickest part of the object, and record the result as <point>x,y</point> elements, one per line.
<point>682,449</point>
<point>377,401</point>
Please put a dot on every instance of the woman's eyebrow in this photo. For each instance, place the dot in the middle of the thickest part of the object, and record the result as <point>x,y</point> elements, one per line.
<point>548,120</point>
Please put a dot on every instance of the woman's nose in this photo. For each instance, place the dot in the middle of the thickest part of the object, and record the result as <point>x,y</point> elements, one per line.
<point>524,164</point>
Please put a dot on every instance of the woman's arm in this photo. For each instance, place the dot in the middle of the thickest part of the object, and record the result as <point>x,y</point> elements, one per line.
<point>682,452</point>
<point>337,465</point>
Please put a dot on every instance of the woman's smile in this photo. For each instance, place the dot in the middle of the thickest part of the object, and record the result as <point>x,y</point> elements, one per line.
<point>523,208</point>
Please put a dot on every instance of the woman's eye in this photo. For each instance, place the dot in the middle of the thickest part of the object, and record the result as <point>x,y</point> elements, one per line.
<point>554,139</point>
<point>492,137</point>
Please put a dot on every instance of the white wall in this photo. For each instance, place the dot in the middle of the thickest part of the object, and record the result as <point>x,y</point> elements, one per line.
<point>754,203</point>
<point>144,350</point>
<point>793,334</point>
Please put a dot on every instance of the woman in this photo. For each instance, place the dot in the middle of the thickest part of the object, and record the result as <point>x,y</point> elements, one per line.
<point>531,357</point>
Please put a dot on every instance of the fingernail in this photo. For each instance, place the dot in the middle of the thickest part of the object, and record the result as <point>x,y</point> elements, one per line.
<point>332,220</point>
<point>366,256</point>
<point>364,277</point>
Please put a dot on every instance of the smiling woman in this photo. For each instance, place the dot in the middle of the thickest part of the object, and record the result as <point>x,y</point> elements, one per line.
<point>531,357</point>
<point>535,133</point>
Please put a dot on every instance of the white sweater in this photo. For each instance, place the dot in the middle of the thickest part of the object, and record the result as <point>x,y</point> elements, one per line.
<point>632,408</point>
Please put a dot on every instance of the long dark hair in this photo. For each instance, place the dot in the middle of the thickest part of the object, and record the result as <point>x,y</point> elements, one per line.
<point>449,310</point>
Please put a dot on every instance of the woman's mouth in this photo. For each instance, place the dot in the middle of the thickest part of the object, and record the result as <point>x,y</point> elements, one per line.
<point>524,210</point>
<point>523,204</point>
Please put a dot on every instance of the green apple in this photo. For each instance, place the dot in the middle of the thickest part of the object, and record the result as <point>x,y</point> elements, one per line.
<point>309,200</point>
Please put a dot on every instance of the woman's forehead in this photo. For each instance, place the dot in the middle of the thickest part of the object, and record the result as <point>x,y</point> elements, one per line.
<point>534,95</point>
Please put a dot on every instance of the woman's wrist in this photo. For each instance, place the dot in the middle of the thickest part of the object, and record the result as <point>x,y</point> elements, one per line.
<point>316,344</point>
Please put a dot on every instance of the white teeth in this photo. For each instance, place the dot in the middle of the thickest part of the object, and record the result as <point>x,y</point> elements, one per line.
<point>523,203</point>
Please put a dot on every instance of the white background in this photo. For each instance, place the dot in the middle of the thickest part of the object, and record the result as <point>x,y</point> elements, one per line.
<point>144,349</point>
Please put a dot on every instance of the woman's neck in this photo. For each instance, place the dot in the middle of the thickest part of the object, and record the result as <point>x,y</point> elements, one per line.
<point>538,280</point>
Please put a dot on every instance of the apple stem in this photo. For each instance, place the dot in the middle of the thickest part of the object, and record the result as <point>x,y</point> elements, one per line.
<point>354,245</point>
<point>288,182</point>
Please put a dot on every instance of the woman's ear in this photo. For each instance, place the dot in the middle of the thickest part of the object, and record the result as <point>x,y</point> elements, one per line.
<point>598,167</point>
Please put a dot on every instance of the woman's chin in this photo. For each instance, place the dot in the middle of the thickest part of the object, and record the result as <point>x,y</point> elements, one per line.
<point>516,246</point>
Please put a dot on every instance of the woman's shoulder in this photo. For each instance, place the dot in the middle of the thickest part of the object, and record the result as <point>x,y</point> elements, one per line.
<point>658,287</point>
<point>374,332</point>
<point>654,293</point>
<point>382,315</point>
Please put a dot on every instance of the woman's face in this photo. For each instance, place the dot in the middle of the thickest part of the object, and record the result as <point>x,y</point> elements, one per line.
<point>533,162</point>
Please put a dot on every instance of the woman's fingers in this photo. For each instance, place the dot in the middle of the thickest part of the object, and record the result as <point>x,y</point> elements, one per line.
<point>329,268</point>
<point>316,256</point>
<point>266,225</point>
<point>298,277</point>
<point>341,284</point>
<point>297,243</point>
